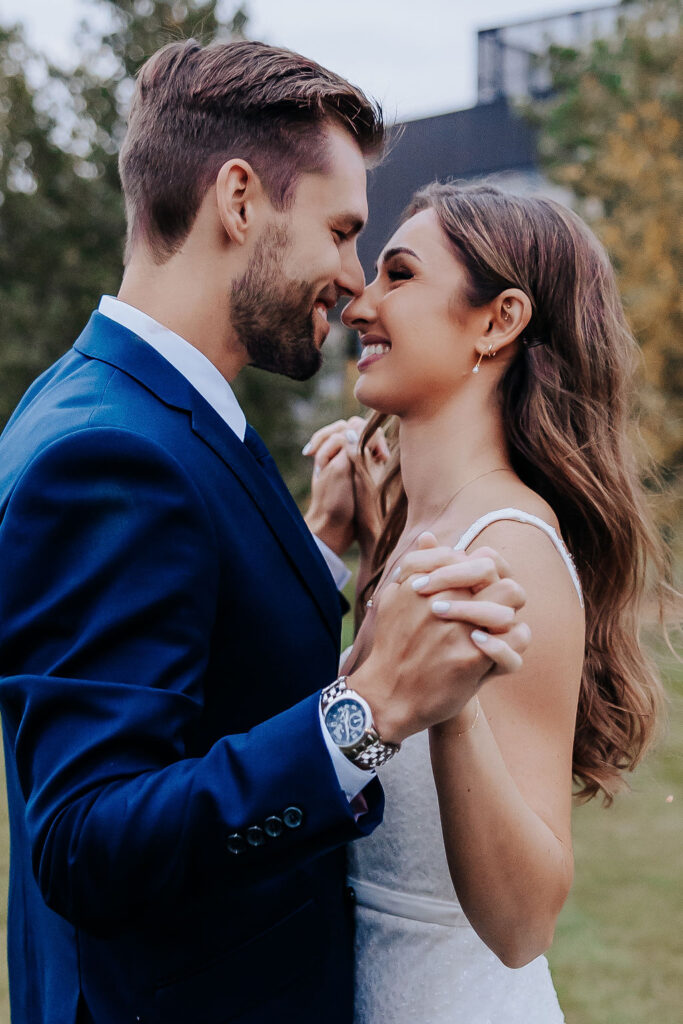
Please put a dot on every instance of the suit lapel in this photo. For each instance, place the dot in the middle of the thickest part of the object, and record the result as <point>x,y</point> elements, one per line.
<point>111,343</point>
<point>277,508</point>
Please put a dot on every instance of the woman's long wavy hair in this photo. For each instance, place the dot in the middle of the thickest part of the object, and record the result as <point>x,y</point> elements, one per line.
<point>565,405</point>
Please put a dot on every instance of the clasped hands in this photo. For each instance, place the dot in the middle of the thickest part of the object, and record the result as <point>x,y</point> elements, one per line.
<point>429,656</point>
<point>344,505</point>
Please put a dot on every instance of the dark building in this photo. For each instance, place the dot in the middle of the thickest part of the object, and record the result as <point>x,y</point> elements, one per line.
<point>490,139</point>
<point>485,140</point>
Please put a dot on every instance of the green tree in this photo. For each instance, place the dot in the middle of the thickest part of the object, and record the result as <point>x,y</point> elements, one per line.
<point>62,221</point>
<point>611,132</point>
<point>53,221</point>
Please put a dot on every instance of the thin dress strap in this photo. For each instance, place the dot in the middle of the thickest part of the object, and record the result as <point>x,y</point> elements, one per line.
<point>518,516</point>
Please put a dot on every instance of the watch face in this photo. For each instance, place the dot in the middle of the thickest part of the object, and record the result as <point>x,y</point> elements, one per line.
<point>346,721</point>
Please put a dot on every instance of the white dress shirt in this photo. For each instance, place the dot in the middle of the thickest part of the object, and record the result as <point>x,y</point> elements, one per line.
<point>214,388</point>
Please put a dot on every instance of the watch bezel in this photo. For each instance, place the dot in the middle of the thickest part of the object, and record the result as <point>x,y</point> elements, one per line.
<point>368,729</point>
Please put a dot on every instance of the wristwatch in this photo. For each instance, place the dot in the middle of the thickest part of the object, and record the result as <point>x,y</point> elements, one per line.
<point>348,720</point>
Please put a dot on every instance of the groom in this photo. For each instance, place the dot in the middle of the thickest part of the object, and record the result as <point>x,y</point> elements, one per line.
<point>178,808</point>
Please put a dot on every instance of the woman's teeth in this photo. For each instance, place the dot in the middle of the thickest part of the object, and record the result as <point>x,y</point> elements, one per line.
<point>375,350</point>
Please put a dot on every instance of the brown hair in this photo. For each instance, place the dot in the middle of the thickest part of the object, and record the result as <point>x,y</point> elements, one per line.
<point>564,401</point>
<point>195,107</point>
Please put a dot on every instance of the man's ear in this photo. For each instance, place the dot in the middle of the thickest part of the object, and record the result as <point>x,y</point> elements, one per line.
<point>509,313</point>
<point>239,194</point>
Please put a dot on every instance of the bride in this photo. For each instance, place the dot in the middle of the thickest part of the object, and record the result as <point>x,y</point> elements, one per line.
<point>494,334</point>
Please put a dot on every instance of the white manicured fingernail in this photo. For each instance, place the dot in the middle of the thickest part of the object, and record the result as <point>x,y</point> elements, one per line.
<point>479,636</point>
<point>352,436</point>
<point>316,471</point>
<point>420,582</point>
<point>440,607</point>
<point>396,573</point>
<point>306,448</point>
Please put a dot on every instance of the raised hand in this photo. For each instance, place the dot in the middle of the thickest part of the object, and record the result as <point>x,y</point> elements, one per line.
<point>343,506</point>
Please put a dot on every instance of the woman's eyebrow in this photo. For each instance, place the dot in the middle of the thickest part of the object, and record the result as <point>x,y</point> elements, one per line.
<point>396,251</point>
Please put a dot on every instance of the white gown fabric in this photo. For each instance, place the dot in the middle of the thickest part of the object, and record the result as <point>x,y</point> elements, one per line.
<point>418,960</point>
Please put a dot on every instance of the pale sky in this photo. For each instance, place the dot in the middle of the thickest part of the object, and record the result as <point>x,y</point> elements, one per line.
<point>417,57</point>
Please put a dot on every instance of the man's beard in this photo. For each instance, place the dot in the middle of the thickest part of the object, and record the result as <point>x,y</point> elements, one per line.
<point>272,316</point>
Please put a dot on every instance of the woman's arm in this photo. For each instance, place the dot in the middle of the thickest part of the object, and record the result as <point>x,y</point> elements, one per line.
<point>504,784</point>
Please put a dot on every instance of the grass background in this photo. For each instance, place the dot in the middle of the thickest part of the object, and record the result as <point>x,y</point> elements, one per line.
<point>618,948</point>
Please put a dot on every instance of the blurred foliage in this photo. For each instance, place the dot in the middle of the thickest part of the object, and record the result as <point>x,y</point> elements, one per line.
<point>59,229</point>
<point>611,132</point>
<point>62,225</point>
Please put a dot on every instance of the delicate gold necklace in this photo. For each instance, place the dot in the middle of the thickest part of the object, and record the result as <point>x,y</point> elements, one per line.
<point>385,574</point>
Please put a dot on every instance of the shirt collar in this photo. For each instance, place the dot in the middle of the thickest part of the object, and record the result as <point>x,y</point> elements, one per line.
<point>187,360</point>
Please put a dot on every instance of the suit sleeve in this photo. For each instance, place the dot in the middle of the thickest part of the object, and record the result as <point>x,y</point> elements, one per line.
<point>109,582</point>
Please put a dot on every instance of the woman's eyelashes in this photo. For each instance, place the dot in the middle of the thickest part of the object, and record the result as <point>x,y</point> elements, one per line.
<point>398,273</point>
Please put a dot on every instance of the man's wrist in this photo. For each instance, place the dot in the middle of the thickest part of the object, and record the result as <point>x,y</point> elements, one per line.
<point>337,536</point>
<point>388,724</point>
<point>351,778</point>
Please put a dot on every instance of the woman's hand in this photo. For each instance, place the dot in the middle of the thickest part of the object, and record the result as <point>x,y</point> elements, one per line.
<point>343,504</point>
<point>426,664</point>
<point>474,588</point>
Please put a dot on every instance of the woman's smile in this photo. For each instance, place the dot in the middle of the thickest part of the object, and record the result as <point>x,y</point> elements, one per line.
<point>374,347</point>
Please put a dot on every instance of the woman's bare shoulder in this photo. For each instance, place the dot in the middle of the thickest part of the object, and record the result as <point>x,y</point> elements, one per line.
<point>539,562</point>
<point>510,494</point>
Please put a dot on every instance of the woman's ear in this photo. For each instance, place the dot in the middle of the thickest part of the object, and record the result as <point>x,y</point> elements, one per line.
<point>239,193</point>
<point>509,313</point>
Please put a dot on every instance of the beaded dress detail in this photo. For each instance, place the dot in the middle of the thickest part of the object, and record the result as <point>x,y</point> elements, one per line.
<point>418,960</point>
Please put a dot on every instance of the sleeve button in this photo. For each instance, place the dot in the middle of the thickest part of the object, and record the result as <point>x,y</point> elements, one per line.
<point>273,826</point>
<point>255,836</point>
<point>236,843</point>
<point>293,817</point>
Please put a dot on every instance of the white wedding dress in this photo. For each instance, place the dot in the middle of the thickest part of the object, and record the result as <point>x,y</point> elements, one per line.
<point>418,960</point>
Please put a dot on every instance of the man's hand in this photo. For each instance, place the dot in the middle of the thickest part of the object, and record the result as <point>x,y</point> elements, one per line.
<point>425,665</point>
<point>333,514</point>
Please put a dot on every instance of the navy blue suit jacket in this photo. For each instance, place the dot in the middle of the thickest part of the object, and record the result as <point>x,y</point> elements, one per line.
<point>166,625</point>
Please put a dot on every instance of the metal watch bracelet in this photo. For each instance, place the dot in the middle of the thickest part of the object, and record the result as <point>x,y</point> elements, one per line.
<point>371,751</point>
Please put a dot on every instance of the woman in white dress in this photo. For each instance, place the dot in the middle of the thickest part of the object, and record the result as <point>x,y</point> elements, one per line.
<point>494,334</point>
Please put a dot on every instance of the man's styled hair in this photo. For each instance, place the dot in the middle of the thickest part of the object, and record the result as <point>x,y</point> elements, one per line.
<point>195,107</point>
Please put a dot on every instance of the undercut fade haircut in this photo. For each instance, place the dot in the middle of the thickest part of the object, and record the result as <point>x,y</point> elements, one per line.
<point>195,107</point>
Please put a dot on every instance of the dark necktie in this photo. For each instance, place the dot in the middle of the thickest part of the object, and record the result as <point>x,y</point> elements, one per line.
<point>255,445</point>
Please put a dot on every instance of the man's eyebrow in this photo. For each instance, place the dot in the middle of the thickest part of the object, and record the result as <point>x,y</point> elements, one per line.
<point>396,251</point>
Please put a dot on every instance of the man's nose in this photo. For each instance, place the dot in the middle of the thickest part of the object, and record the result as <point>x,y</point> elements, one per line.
<point>351,279</point>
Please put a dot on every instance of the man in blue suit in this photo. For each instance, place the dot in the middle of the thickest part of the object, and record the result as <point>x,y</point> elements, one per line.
<point>169,631</point>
